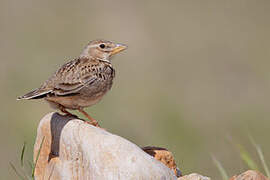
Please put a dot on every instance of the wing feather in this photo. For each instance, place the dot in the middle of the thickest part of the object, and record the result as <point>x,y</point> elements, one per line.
<point>73,76</point>
<point>70,79</point>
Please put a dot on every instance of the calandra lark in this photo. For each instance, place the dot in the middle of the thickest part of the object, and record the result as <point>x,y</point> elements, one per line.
<point>81,82</point>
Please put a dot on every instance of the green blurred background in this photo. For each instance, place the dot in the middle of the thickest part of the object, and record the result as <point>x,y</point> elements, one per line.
<point>195,75</point>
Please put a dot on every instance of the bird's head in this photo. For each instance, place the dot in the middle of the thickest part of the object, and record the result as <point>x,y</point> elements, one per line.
<point>102,49</point>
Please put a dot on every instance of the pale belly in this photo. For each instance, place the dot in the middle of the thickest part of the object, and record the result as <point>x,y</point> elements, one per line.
<point>85,98</point>
<point>73,102</point>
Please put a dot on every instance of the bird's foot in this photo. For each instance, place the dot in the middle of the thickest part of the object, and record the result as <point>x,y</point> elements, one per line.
<point>92,120</point>
<point>93,123</point>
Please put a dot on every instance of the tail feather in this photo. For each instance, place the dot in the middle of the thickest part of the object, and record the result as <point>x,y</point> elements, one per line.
<point>35,94</point>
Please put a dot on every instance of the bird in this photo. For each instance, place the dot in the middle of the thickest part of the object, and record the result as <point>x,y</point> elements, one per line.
<point>81,82</point>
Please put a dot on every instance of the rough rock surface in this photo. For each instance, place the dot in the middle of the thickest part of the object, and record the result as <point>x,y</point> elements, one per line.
<point>194,176</point>
<point>73,149</point>
<point>250,175</point>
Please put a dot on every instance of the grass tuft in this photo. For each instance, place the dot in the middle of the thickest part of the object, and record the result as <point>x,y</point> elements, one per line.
<point>35,164</point>
<point>22,153</point>
<point>261,156</point>
<point>245,156</point>
<point>26,176</point>
<point>221,169</point>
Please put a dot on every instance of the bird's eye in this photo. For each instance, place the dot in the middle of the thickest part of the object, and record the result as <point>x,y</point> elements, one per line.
<point>102,46</point>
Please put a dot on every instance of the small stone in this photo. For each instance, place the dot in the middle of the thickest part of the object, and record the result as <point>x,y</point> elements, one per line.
<point>164,156</point>
<point>250,175</point>
<point>194,176</point>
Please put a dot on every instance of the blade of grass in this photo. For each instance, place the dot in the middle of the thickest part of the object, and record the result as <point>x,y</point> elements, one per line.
<point>265,167</point>
<point>22,153</point>
<point>35,164</point>
<point>16,172</point>
<point>261,156</point>
<point>221,169</point>
<point>245,156</point>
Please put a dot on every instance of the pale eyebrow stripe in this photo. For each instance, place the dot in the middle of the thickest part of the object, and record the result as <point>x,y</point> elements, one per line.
<point>95,45</point>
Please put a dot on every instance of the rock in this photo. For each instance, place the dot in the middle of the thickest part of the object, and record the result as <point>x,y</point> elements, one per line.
<point>73,149</point>
<point>164,156</point>
<point>194,176</point>
<point>250,175</point>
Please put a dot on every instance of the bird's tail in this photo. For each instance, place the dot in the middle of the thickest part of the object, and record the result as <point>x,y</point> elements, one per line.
<point>35,94</point>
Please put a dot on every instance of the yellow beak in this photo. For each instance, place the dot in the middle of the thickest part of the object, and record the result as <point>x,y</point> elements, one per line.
<point>118,48</point>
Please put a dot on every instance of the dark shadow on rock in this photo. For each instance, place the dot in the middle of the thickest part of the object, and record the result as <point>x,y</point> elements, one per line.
<point>151,150</point>
<point>58,122</point>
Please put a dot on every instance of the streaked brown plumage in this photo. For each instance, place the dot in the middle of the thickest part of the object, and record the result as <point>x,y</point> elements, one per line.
<point>81,82</point>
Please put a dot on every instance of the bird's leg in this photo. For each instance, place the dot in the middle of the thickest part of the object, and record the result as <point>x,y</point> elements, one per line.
<point>63,110</point>
<point>92,120</point>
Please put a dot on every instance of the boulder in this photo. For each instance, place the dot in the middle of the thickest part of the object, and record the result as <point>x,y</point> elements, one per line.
<point>74,149</point>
